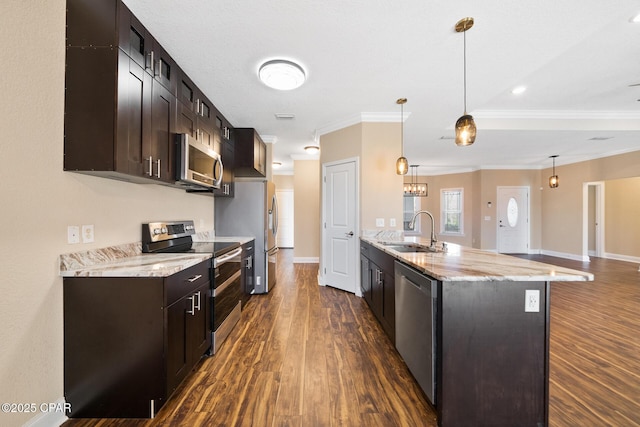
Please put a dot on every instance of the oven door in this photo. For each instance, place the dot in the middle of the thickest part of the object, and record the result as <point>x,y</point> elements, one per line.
<point>227,294</point>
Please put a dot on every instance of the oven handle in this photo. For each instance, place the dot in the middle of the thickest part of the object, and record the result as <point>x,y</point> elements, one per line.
<point>224,258</point>
<point>217,291</point>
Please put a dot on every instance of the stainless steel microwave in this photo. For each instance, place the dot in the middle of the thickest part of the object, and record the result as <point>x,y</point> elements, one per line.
<point>197,165</point>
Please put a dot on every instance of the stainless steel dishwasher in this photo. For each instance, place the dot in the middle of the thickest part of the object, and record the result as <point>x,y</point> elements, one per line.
<point>416,297</point>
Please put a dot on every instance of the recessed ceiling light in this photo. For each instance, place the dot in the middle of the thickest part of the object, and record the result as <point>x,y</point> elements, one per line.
<point>281,74</point>
<point>518,90</point>
<point>635,19</point>
<point>312,149</point>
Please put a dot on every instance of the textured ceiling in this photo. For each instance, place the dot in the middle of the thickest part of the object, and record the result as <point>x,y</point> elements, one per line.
<point>576,57</point>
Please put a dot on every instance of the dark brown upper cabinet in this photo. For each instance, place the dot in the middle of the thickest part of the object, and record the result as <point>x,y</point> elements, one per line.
<point>250,153</point>
<point>198,112</point>
<point>120,105</point>
<point>227,187</point>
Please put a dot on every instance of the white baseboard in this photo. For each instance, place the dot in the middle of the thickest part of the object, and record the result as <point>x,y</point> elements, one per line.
<point>619,257</point>
<point>306,260</point>
<point>565,255</point>
<point>50,416</point>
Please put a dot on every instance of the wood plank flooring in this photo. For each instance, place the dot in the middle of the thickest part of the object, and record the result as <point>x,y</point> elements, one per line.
<point>305,355</point>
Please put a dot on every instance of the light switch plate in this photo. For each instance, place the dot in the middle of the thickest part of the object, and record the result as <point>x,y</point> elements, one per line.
<point>392,222</point>
<point>379,222</point>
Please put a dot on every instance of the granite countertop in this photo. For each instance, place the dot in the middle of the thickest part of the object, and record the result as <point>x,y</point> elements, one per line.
<point>128,260</point>
<point>460,263</point>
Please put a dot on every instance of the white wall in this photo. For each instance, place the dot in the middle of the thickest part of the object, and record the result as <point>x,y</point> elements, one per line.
<point>39,200</point>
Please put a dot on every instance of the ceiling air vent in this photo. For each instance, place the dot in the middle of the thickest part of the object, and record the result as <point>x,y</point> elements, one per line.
<point>285,116</point>
<point>600,138</point>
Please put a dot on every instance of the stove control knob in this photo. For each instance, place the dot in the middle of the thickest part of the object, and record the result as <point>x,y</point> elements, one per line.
<point>164,230</point>
<point>156,231</point>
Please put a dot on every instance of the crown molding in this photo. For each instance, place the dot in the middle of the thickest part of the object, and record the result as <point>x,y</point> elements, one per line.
<point>361,118</point>
<point>558,114</point>
<point>269,139</point>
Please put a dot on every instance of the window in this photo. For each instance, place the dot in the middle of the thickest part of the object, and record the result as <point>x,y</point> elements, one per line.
<point>451,200</point>
<point>411,205</point>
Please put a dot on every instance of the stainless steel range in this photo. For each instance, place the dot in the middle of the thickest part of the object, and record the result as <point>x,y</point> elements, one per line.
<point>225,271</point>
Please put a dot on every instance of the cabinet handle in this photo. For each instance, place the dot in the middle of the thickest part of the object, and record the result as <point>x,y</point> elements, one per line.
<point>194,278</point>
<point>198,303</point>
<point>150,173</point>
<point>197,134</point>
<point>193,305</point>
<point>157,70</point>
<point>158,165</point>
<point>198,107</point>
<point>149,63</point>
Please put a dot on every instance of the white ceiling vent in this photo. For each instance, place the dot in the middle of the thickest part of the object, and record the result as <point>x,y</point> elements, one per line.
<point>285,116</point>
<point>600,138</point>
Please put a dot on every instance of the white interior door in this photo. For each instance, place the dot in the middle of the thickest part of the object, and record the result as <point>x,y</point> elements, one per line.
<point>285,218</point>
<point>340,233</point>
<point>513,220</point>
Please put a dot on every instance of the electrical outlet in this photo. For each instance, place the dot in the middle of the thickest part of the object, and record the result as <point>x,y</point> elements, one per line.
<point>392,222</point>
<point>73,234</point>
<point>258,280</point>
<point>379,222</point>
<point>87,233</point>
<point>531,301</point>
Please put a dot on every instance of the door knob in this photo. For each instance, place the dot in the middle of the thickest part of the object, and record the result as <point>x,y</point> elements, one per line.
<point>349,234</point>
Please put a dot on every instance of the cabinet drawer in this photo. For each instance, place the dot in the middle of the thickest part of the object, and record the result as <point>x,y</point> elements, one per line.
<point>186,281</point>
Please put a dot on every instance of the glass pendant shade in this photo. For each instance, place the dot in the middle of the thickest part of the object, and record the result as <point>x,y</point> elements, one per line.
<point>402,166</point>
<point>465,130</point>
<point>554,181</point>
<point>465,126</point>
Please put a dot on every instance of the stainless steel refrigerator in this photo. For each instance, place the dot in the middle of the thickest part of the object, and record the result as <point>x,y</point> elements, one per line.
<point>253,212</point>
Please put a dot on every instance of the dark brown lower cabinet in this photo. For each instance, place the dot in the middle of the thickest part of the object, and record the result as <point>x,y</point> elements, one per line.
<point>492,362</point>
<point>378,286</point>
<point>130,341</point>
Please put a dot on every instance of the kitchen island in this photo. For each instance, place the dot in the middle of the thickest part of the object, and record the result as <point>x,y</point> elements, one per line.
<point>489,317</point>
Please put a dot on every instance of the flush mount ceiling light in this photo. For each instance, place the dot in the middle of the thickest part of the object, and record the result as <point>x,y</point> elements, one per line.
<point>276,165</point>
<point>281,74</point>
<point>465,126</point>
<point>518,90</point>
<point>312,149</point>
<point>402,165</point>
<point>554,181</point>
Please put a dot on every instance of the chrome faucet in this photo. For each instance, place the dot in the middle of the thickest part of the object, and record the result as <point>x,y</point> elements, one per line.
<point>412,224</point>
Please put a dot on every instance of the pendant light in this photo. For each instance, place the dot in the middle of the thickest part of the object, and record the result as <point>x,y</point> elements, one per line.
<point>465,126</point>
<point>402,165</point>
<point>415,188</point>
<point>554,181</point>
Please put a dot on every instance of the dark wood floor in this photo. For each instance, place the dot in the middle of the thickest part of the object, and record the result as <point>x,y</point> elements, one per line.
<point>305,355</point>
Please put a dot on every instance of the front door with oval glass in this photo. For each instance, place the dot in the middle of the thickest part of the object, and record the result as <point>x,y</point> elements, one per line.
<point>513,220</point>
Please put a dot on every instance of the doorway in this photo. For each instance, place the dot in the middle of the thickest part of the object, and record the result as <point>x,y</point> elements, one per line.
<point>340,248</point>
<point>593,220</point>
<point>285,218</point>
<point>513,220</point>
